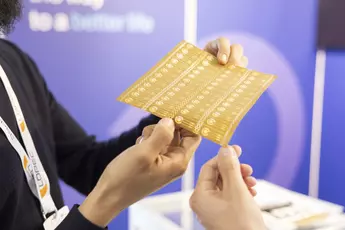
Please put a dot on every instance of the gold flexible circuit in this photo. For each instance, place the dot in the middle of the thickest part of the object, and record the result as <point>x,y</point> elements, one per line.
<point>201,95</point>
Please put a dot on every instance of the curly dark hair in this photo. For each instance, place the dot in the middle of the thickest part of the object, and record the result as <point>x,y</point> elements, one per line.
<point>10,13</point>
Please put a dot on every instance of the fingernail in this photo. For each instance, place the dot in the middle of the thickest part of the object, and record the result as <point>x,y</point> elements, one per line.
<point>167,122</point>
<point>228,151</point>
<point>239,149</point>
<point>224,58</point>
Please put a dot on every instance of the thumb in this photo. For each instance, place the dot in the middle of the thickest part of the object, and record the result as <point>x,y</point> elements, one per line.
<point>208,176</point>
<point>229,168</point>
<point>162,135</point>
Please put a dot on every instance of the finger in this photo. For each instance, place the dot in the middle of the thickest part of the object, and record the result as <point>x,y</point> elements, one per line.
<point>244,61</point>
<point>246,170</point>
<point>219,182</point>
<point>139,140</point>
<point>189,140</point>
<point>186,133</point>
<point>223,50</point>
<point>229,168</point>
<point>212,47</point>
<point>236,53</point>
<point>238,150</point>
<point>208,176</point>
<point>253,191</point>
<point>189,143</point>
<point>161,136</point>
<point>147,131</point>
<point>250,181</point>
<point>181,155</point>
<point>177,138</point>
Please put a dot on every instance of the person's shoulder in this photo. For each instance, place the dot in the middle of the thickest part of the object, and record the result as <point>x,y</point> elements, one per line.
<point>14,56</point>
<point>7,47</point>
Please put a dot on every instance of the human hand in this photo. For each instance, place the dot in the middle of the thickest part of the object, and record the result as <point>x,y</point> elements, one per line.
<point>246,170</point>
<point>161,157</point>
<point>227,53</point>
<point>226,206</point>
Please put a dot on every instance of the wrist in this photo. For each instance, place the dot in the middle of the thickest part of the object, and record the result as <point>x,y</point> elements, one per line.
<point>101,206</point>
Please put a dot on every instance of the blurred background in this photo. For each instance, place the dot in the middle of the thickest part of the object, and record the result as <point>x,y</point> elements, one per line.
<point>101,47</point>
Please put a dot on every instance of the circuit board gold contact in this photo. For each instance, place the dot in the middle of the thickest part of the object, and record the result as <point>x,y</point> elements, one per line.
<point>201,95</point>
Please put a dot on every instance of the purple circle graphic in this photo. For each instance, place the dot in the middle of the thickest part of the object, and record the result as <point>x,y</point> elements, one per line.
<point>288,100</point>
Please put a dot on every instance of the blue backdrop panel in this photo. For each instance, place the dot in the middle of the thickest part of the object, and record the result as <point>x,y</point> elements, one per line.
<point>332,182</point>
<point>278,38</point>
<point>89,54</point>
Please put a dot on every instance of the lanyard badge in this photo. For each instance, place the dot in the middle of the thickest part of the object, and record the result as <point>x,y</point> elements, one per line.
<point>35,174</point>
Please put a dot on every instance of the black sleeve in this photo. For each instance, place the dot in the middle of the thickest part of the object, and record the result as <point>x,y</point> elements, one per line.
<point>80,158</point>
<point>75,220</point>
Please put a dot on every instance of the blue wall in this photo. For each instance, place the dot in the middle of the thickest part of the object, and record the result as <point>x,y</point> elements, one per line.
<point>332,182</point>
